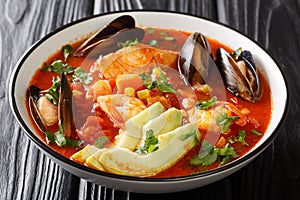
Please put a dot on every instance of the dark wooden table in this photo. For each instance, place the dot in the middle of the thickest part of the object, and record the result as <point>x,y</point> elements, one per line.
<point>25,173</point>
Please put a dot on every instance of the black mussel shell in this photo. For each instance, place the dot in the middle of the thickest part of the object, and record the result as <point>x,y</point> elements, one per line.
<point>195,60</point>
<point>120,23</point>
<point>241,79</point>
<point>65,107</point>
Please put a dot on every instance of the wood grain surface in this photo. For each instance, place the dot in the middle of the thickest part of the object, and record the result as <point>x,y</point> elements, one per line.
<point>26,173</point>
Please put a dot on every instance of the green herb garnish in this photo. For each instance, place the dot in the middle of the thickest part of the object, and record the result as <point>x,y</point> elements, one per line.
<point>100,141</point>
<point>144,76</point>
<point>150,84</point>
<point>236,54</point>
<point>157,79</point>
<point>205,104</point>
<point>82,76</point>
<point>150,30</point>
<point>224,121</point>
<point>256,132</point>
<point>58,67</point>
<point>151,143</point>
<point>153,43</point>
<point>166,36</point>
<point>241,137</point>
<point>189,134</point>
<point>52,94</point>
<point>60,139</point>
<point>166,87</point>
<point>210,154</point>
<point>67,50</point>
<point>128,43</point>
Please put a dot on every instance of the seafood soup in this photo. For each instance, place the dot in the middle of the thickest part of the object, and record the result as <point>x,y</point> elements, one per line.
<point>149,102</point>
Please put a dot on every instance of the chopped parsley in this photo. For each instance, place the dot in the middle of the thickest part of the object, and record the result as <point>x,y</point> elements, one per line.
<point>209,154</point>
<point>241,137</point>
<point>236,54</point>
<point>205,104</point>
<point>166,36</point>
<point>59,67</point>
<point>256,132</point>
<point>151,143</point>
<point>150,30</point>
<point>153,43</point>
<point>82,76</point>
<point>59,138</point>
<point>157,79</point>
<point>128,43</point>
<point>189,134</point>
<point>224,121</point>
<point>67,50</point>
<point>100,141</point>
<point>52,94</point>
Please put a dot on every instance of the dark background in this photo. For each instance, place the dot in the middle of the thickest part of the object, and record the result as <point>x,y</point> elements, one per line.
<point>25,173</point>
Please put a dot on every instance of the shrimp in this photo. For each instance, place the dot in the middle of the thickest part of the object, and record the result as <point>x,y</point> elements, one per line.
<point>132,58</point>
<point>206,119</point>
<point>120,107</point>
<point>48,111</point>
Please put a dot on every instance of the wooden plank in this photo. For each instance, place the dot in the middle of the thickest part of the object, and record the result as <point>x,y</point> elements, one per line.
<point>275,26</point>
<point>25,172</point>
<point>28,174</point>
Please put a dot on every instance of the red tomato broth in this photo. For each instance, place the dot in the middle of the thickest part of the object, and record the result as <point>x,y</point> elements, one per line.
<point>84,108</point>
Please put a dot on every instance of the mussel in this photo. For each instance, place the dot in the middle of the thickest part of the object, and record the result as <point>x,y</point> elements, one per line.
<point>195,59</point>
<point>106,39</point>
<point>63,111</point>
<point>239,74</point>
<point>65,107</point>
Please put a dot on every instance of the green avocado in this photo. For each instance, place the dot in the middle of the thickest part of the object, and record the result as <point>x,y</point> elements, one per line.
<point>132,134</point>
<point>165,122</point>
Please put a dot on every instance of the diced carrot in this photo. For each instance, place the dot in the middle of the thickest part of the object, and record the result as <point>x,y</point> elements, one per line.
<point>221,142</point>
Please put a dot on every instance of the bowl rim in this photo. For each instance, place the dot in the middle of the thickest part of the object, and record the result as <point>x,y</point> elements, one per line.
<point>57,156</point>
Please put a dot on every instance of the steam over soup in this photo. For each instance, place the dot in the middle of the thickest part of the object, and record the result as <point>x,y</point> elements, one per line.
<point>150,102</point>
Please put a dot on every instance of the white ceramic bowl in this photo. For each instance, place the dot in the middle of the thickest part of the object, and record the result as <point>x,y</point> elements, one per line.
<point>40,51</point>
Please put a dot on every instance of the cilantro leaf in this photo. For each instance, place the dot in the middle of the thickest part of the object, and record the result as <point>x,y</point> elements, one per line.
<point>166,87</point>
<point>150,84</point>
<point>241,137</point>
<point>60,139</point>
<point>205,104</point>
<point>209,154</point>
<point>236,54</point>
<point>157,79</point>
<point>67,50</point>
<point>224,121</point>
<point>52,94</point>
<point>189,134</point>
<point>82,76</point>
<point>153,43</point>
<point>166,36</point>
<point>150,30</point>
<point>225,154</point>
<point>256,132</point>
<point>206,156</point>
<point>151,143</point>
<point>100,141</point>
<point>74,143</point>
<point>144,76</point>
<point>128,43</point>
<point>58,67</point>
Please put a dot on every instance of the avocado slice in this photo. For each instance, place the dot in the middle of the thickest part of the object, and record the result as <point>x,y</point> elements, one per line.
<point>173,146</point>
<point>167,121</point>
<point>84,153</point>
<point>132,133</point>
